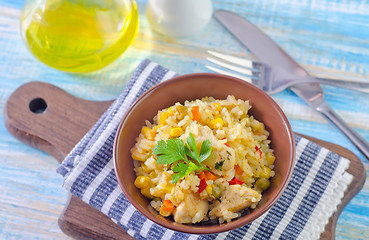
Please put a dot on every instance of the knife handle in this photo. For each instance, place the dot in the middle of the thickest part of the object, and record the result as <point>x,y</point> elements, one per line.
<point>353,136</point>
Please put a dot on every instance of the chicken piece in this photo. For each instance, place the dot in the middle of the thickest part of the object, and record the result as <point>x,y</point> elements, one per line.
<point>234,199</point>
<point>192,209</point>
<point>200,133</point>
<point>222,158</point>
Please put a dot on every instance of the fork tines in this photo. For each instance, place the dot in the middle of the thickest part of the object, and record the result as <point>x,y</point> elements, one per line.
<point>251,71</point>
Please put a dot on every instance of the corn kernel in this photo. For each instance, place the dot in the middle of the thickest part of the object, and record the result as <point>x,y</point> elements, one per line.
<point>170,111</point>
<point>145,168</point>
<point>270,158</point>
<point>216,123</point>
<point>176,132</point>
<point>163,118</point>
<point>155,129</point>
<point>146,192</point>
<point>265,172</point>
<point>148,133</point>
<point>209,189</point>
<point>142,182</point>
<point>136,155</point>
<point>160,192</point>
<point>153,174</point>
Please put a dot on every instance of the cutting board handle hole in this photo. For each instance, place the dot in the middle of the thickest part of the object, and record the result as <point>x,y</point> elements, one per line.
<point>37,105</point>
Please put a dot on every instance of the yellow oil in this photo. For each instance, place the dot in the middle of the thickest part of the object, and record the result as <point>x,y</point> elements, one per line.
<point>79,35</point>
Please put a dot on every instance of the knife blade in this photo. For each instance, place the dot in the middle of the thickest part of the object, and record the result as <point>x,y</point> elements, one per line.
<point>285,67</point>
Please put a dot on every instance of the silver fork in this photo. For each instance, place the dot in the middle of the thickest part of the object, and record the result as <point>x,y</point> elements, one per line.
<point>262,76</point>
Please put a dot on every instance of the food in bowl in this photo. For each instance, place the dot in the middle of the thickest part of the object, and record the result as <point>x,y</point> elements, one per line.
<point>196,86</point>
<point>204,160</point>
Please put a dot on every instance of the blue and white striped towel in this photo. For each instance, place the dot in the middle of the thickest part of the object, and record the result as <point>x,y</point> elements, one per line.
<point>316,187</point>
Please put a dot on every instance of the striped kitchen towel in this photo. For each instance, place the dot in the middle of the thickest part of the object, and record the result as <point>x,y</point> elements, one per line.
<point>315,189</point>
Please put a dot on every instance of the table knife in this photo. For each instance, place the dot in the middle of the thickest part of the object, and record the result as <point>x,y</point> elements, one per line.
<point>267,51</point>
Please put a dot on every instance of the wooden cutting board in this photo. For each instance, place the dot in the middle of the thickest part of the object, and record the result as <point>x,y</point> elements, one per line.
<point>48,118</point>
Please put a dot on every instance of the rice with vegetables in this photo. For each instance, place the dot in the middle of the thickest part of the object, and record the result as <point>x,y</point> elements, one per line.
<point>205,160</point>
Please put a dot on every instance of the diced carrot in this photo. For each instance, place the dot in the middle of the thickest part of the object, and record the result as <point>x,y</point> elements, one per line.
<point>195,110</point>
<point>202,175</point>
<point>209,175</point>
<point>167,205</point>
<point>238,170</point>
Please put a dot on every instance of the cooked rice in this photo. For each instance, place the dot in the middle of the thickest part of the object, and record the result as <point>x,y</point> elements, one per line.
<point>238,139</point>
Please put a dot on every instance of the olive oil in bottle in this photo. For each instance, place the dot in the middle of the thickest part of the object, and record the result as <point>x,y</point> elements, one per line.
<point>78,35</point>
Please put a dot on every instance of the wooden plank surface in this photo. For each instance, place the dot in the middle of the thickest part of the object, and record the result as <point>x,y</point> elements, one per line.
<point>41,129</point>
<point>328,38</point>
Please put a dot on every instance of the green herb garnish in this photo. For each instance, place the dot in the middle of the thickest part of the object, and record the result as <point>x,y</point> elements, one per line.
<point>182,169</point>
<point>219,165</point>
<point>170,151</point>
<point>175,149</point>
<point>228,154</point>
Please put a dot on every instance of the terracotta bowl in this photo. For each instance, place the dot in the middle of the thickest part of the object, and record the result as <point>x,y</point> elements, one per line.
<point>191,87</point>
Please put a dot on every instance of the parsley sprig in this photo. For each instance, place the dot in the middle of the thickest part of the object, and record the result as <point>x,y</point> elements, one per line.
<point>187,155</point>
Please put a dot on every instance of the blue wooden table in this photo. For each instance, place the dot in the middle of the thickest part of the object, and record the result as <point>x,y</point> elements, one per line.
<point>330,38</point>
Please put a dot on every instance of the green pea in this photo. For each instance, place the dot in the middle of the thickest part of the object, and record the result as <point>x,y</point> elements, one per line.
<point>262,183</point>
<point>216,191</point>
